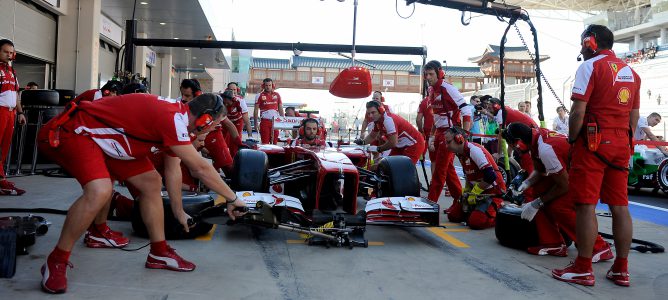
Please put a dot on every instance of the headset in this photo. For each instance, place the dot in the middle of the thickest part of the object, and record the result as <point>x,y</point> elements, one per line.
<point>457,135</point>
<point>238,89</point>
<point>12,58</point>
<point>302,128</point>
<point>206,118</point>
<point>192,84</point>
<point>111,86</point>
<point>508,136</point>
<point>264,83</point>
<point>589,42</point>
<point>436,65</point>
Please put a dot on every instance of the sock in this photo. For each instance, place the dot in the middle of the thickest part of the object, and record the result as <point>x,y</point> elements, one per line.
<point>102,227</point>
<point>621,264</point>
<point>60,255</point>
<point>159,247</point>
<point>583,263</point>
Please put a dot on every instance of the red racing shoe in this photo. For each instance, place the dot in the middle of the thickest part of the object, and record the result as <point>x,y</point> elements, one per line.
<point>554,250</point>
<point>106,239</point>
<point>619,278</point>
<point>168,260</point>
<point>54,276</point>
<point>602,254</point>
<point>8,188</point>
<point>573,274</point>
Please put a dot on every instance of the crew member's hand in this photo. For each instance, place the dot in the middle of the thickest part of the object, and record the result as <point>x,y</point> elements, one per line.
<point>373,148</point>
<point>183,217</point>
<point>520,189</point>
<point>432,147</point>
<point>529,210</point>
<point>22,119</point>
<point>231,206</point>
<point>473,196</point>
<point>359,141</point>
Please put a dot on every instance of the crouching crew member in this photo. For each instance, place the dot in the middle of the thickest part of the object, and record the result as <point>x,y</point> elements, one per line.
<point>268,106</point>
<point>552,208</point>
<point>309,134</point>
<point>484,183</point>
<point>402,137</point>
<point>114,136</point>
<point>606,102</point>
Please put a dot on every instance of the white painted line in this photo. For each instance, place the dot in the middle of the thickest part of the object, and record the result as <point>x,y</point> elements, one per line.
<point>649,206</point>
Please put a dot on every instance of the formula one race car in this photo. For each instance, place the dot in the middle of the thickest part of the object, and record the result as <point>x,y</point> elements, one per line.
<point>314,190</point>
<point>649,169</point>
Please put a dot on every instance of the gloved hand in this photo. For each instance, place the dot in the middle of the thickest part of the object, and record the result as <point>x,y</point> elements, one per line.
<point>472,197</point>
<point>520,189</point>
<point>359,141</point>
<point>373,148</point>
<point>529,210</point>
<point>432,147</point>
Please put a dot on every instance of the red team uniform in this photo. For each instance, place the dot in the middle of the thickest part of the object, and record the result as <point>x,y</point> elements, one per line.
<point>235,113</point>
<point>516,116</point>
<point>591,178</point>
<point>474,160</point>
<point>427,122</point>
<point>549,151</point>
<point>409,141</point>
<point>114,140</point>
<point>268,104</point>
<point>445,103</point>
<point>9,87</point>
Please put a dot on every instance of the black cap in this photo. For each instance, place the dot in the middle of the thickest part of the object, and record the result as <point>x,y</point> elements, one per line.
<point>112,86</point>
<point>228,94</point>
<point>132,88</point>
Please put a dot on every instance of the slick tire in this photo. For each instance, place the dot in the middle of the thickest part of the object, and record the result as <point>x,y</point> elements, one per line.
<point>662,176</point>
<point>40,97</point>
<point>7,252</point>
<point>192,204</point>
<point>514,232</point>
<point>250,171</point>
<point>402,177</point>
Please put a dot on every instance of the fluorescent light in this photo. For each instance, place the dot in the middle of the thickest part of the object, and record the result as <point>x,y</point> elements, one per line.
<point>186,49</point>
<point>201,64</point>
<point>176,38</point>
<point>162,23</point>
<point>143,3</point>
<point>194,57</point>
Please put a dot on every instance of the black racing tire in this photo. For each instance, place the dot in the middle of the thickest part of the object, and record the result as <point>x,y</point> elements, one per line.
<point>514,168</point>
<point>40,97</point>
<point>514,232</point>
<point>250,171</point>
<point>7,252</point>
<point>65,96</point>
<point>402,177</point>
<point>192,205</point>
<point>662,176</point>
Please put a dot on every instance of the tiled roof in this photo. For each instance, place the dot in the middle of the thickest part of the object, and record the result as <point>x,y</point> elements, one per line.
<point>340,63</point>
<point>455,71</point>
<point>270,63</point>
<point>512,53</point>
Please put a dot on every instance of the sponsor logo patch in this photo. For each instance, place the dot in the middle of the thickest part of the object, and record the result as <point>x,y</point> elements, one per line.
<point>623,96</point>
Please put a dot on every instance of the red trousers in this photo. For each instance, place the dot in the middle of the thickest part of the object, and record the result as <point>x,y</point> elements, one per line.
<point>557,217</point>
<point>218,150</point>
<point>413,152</point>
<point>483,216</point>
<point>234,145</point>
<point>444,170</point>
<point>265,132</point>
<point>6,132</point>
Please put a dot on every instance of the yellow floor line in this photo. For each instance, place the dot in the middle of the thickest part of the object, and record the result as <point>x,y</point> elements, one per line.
<point>456,229</point>
<point>208,235</point>
<point>440,232</point>
<point>376,244</point>
<point>450,224</point>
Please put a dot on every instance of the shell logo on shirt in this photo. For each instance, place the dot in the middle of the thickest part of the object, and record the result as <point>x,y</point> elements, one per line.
<point>623,96</point>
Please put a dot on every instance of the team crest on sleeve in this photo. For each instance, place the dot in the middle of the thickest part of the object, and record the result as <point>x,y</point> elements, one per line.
<point>181,125</point>
<point>623,96</point>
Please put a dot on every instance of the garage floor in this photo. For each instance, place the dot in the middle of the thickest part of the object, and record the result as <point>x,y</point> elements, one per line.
<point>244,263</point>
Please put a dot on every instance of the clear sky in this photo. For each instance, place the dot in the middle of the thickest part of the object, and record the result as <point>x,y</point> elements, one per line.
<point>379,22</point>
